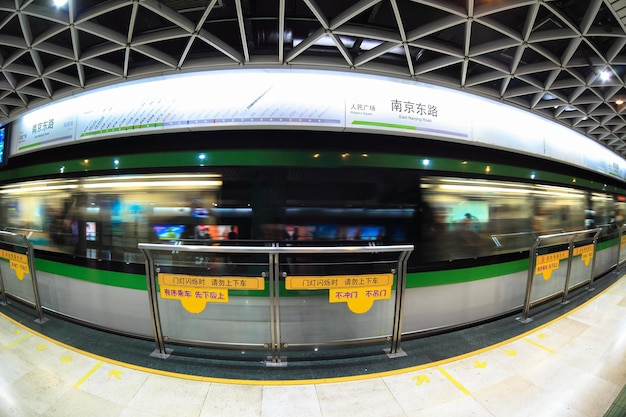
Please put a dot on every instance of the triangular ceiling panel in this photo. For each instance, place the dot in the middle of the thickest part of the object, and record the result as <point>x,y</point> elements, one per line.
<point>563,59</point>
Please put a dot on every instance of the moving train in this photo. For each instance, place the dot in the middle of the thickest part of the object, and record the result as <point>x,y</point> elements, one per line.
<point>472,213</point>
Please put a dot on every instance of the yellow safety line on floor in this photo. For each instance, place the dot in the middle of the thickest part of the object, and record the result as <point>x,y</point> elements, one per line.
<point>320,380</point>
<point>532,342</point>
<point>454,381</point>
<point>88,374</point>
<point>18,341</point>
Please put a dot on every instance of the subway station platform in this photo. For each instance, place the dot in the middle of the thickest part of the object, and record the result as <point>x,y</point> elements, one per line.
<point>570,361</point>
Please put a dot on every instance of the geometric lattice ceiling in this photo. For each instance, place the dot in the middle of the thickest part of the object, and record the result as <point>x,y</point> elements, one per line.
<point>549,57</point>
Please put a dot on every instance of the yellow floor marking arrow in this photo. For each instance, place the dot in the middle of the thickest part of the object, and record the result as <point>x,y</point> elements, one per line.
<point>17,331</point>
<point>479,364</point>
<point>19,340</point>
<point>420,379</point>
<point>88,374</point>
<point>67,358</point>
<point>510,352</point>
<point>454,381</point>
<point>542,336</point>
<point>116,373</point>
<point>41,347</point>
<point>538,345</point>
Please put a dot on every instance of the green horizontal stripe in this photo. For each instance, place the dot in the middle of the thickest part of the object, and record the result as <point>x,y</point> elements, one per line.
<point>606,244</point>
<point>458,276</point>
<point>297,158</point>
<point>30,145</point>
<point>96,276</point>
<point>414,280</point>
<point>381,124</point>
<point>121,128</point>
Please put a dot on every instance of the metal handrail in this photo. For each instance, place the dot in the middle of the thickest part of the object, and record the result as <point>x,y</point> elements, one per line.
<point>26,229</point>
<point>533,259</point>
<point>274,249</point>
<point>495,237</point>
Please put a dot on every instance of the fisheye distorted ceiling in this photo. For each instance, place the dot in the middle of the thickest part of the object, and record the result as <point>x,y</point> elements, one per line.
<point>562,59</point>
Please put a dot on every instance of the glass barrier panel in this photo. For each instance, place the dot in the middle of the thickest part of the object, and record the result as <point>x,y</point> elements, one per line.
<point>582,263</point>
<point>213,298</point>
<point>16,274</point>
<point>328,298</point>
<point>550,272</point>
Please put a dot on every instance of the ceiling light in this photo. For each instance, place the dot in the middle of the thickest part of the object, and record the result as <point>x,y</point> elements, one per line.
<point>144,184</point>
<point>60,3</point>
<point>619,101</point>
<point>605,75</point>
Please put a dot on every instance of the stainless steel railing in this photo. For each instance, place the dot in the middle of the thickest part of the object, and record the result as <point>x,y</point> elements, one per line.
<point>276,260</point>
<point>497,238</point>
<point>552,262</point>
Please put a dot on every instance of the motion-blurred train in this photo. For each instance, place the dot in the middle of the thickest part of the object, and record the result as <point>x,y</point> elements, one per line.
<point>471,212</point>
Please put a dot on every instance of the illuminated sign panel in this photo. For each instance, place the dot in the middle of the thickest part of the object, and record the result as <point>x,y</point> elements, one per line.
<point>303,99</point>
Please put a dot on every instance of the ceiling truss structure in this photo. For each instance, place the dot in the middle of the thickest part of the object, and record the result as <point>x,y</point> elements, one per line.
<point>562,59</point>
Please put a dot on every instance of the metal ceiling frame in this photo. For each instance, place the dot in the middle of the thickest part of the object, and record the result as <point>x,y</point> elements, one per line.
<point>545,56</point>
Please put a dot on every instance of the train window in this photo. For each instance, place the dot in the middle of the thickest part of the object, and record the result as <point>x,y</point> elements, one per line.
<point>474,218</point>
<point>445,217</point>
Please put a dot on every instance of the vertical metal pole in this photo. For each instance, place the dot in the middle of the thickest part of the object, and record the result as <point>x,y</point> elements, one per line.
<point>33,275</point>
<point>272,323</point>
<point>593,260</point>
<point>396,336</point>
<point>278,346</point>
<point>4,295</point>
<point>529,281</point>
<point>570,257</point>
<point>621,234</point>
<point>619,246</point>
<point>274,283</point>
<point>161,351</point>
